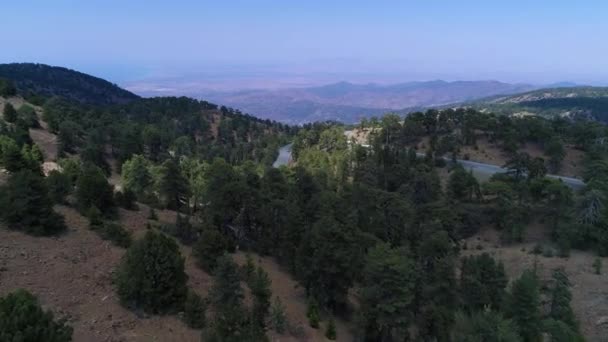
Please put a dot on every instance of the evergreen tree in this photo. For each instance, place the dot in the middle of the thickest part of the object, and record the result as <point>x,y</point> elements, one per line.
<point>59,186</point>
<point>482,282</point>
<point>484,326</point>
<point>260,289</point>
<point>278,319</point>
<point>93,189</point>
<point>330,333</point>
<point>23,319</point>
<point>312,312</point>
<point>195,309</point>
<point>387,292</point>
<point>560,299</point>
<point>226,299</point>
<point>174,187</point>
<point>26,205</point>
<point>151,275</point>
<point>523,306</point>
<point>10,114</point>
<point>328,243</point>
<point>210,246</point>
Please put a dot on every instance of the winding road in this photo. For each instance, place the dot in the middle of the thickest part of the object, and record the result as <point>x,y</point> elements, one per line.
<point>481,171</point>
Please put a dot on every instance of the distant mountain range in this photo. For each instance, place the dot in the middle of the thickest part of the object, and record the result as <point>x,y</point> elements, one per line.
<point>350,102</point>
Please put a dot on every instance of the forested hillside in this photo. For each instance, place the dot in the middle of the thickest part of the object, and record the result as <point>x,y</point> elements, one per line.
<point>578,103</point>
<point>370,243</point>
<point>47,81</point>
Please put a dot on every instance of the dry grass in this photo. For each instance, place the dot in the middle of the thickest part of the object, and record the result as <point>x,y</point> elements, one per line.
<point>589,290</point>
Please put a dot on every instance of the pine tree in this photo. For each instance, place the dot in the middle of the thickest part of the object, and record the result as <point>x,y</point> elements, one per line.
<point>330,333</point>
<point>93,189</point>
<point>260,289</point>
<point>151,275</point>
<point>195,309</point>
<point>560,299</point>
<point>524,302</point>
<point>174,186</point>
<point>226,299</point>
<point>312,312</point>
<point>278,319</point>
<point>210,246</point>
<point>10,114</point>
<point>23,319</point>
<point>387,291</point>
<point>26,205</point>
<point>482,282</point>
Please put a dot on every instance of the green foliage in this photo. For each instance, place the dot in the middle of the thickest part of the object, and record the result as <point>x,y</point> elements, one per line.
<point>195,310</point>
<point>312,313</point>
<point>484,326</point>
<point>174,186</point>
<point>112,231</point>
<point>210,246</point>
<point>330,332</point>
<point>59,186</point>
<point>7,88</point>
<point>523,306</point>
<point>558,331</point>
<point>26,205</point>
<point>152,215</point>
<point>9,113</point>
<point>27,116</point>
<point>151,275</point>
<point>259,285</point>
<point>328,243</point>
<point>93,189</point>
<point>126,199</point>
<point>278,320</point>
<point>136,175</point>
<point>23,319</point>
<point>226,299</point>
<point>482,282</point>
<point>597,266</point>
<point>560,300</point>
<point>387,291</point>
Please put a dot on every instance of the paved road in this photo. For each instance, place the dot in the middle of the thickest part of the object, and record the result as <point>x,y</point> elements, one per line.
<point>484,171</point>
<point>284,156</point>
<point>481,171</point>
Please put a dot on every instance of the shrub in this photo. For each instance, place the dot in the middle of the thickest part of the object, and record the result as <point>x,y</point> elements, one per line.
<point>114,232</point>
<point>278,319</point>
<point>210,246</point>
<point>152,215</point>
<point>59,186</point>
<point>26,205</point>
<point>93,189</point>
<point>312,313</point>
<point>330,333</point>
<point>22,319</point>
<point>151,275</point>
<point>195,309</point>
<point>126,199</point>
<point>10,114</point>
<point>94,216</point>
<point>597,265</point>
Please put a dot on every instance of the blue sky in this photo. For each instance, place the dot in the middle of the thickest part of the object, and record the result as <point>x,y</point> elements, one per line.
<point>515,41</point>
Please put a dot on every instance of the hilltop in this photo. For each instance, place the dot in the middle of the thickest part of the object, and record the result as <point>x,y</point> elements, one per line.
<point>49,81</point>
<point>572,102</point>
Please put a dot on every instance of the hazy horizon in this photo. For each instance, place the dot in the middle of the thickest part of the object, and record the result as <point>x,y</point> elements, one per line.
<point>274,44</point>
